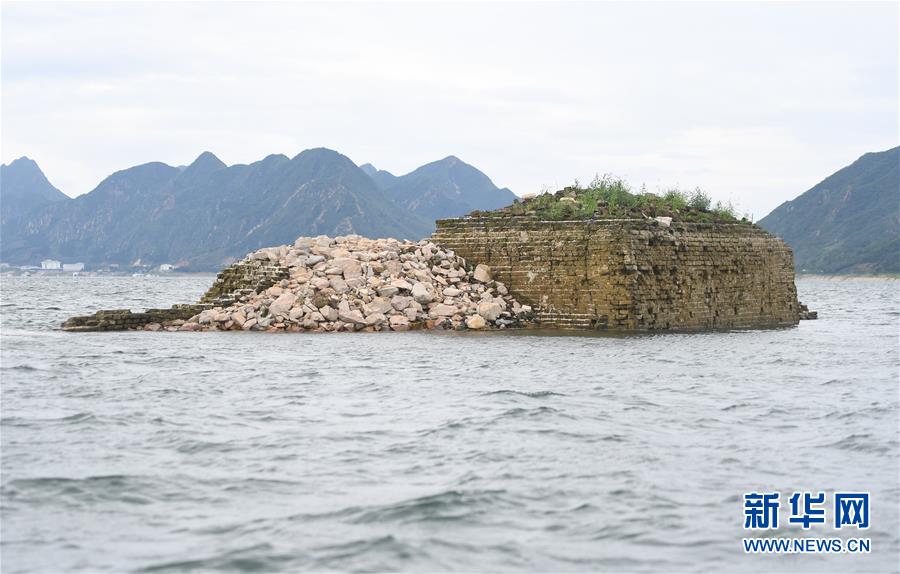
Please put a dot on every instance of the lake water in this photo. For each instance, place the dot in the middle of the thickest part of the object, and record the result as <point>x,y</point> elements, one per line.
<point>434,451</point>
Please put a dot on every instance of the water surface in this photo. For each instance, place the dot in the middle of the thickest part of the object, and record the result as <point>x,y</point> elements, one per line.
<point>433,451</point>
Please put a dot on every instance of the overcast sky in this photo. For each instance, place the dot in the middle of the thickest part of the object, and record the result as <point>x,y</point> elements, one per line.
<point>755,103</point>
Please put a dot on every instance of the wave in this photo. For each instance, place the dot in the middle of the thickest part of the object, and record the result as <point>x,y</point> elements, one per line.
<point>529,394</point>
<point>450,505</point>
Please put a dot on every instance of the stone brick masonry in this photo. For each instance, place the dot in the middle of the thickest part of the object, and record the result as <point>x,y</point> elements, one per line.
<point>634,274</point>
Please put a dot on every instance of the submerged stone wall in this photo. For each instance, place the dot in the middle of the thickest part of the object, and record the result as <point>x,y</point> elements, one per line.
<point>242,278</point>
<point>634,274</point>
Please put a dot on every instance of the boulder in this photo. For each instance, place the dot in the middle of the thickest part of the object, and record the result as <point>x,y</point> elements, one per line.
<point>353,317</point>
<point>378,305</point>
<point>399,323</point>
<point>329,313</point>
<point>376,319</point>
<point>442,310</point>
<point>338,284</point>
<point>282,305</point>
<point>388,291</point>
<point>421,294</point>
<point>482,273</point>
<point>489,310</point>
<point>401,284</point>
<point>400,303</point>
<point>476,322</point>
<point>349,267</point>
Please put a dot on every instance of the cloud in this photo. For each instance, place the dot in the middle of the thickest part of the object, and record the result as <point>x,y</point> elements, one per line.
<point>752,102</point>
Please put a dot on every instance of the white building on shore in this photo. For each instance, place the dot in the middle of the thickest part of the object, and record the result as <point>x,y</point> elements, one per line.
<point>73,266</point>
<point>51,264</point>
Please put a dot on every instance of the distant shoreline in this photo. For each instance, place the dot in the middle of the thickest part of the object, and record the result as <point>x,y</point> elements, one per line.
<point>852,276</point>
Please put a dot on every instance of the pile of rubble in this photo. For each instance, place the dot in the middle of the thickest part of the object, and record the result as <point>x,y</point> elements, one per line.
<point>356,284</point>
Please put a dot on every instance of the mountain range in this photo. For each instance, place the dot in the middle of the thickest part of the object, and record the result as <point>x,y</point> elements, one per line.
<point>207,214</point>
<point>848,223</point>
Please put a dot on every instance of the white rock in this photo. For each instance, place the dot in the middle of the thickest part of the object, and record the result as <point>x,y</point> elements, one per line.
<point>443,310</point>
<point>388,291</point>
<point>283,304</point>
<point>353,316</point>
<point>376,319</point>
<point>482,273</point>
<point>330,313</point>
<point>206,317</point>
<point>451,292</point>
<point>402,284</point>
<point>400,303</point>
<point>378,305</point>
<point>489,310</point>
<point>320,282</point>
<point>349,267</point>
<point>356,282</point>
<point>338,284</point>
<point>421,293</point>
<point>399,323</point>
<point>476,322</point>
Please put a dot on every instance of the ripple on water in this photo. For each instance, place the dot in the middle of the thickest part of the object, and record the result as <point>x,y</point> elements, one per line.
<point>210,452</point>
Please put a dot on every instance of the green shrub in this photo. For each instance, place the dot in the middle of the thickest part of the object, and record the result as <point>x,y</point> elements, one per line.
<point>699,200</point>
<point>724,211</point>
<point>675,199</point>
<point>608,196</point>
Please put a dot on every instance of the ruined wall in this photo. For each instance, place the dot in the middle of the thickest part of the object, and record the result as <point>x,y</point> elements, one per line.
<point>242,278</point>
<point>634,274</point>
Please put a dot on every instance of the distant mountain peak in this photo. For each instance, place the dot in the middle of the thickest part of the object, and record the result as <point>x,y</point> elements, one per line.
<point>206,164</point>
<point>369,169</point>
<point>24,187</point>
<point>208,158</point>
<point>318,153</point>
<point>22,162</point>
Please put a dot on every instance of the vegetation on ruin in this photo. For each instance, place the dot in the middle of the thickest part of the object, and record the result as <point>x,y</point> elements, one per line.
<point>609,197</point>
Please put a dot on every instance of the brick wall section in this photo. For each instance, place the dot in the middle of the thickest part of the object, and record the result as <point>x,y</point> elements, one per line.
<point>634,274</point>
<point>243,278</point>
<point>125,319</point>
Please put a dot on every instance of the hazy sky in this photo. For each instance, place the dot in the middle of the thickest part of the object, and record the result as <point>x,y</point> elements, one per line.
<point>753,102</point>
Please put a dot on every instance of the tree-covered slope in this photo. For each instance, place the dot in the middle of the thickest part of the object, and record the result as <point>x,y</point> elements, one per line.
<point>848,223</point>
<point>208,214</point>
